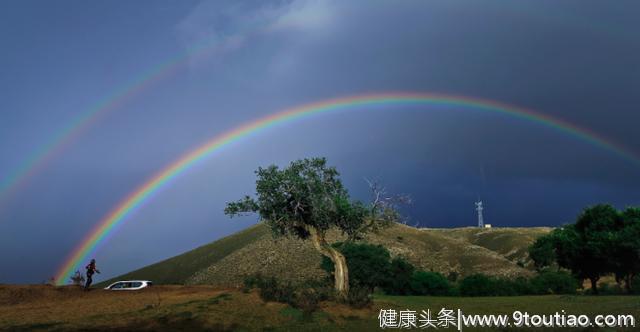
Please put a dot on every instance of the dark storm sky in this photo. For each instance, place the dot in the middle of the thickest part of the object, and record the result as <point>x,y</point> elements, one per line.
<point>574,60</point>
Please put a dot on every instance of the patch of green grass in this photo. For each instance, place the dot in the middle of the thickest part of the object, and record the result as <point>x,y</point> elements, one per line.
<point>295,314</point>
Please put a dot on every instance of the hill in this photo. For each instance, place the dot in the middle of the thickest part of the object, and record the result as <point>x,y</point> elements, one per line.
<point>225,262</point>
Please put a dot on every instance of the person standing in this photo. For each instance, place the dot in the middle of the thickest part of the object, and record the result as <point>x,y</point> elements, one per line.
<point>91,269</point>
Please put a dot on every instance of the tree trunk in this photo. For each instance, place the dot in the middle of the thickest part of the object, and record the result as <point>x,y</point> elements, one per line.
<point>341,272</point>
<point>594,284</point>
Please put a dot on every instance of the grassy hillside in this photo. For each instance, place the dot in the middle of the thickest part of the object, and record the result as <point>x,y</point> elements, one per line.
<point>177,269</point>
<point>227,261</point>
<point>507,242</point>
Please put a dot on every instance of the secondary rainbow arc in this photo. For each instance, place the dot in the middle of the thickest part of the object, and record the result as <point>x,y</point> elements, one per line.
<point>70,132</point>
<point>143,193</point>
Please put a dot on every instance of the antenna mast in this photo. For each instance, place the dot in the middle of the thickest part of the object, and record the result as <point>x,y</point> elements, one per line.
<point>479,208</point>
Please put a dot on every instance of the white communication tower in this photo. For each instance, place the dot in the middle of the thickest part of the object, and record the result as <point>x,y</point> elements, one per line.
<point>479,208</point>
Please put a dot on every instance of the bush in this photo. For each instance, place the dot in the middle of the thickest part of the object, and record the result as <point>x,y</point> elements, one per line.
<point>635,285</point>
<point>429,283</point>
<point>502,287</point>
<point>368,264</point>
<point>554,282</point>
<point>359,297</point>
<point>307,300</point>
<point>399,280</point>
<point>77,279</point>
<point>270,289</point>
<point>523,286</point>
<point>305,296</point>
<point>477,285</point>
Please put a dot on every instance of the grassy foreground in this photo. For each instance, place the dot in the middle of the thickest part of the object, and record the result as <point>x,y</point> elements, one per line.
<point>199,308</point>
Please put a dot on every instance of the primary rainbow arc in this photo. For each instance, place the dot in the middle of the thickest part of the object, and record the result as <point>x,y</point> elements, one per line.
<point>143,193</point>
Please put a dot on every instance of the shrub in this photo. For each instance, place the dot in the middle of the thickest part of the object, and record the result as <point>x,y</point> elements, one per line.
<point>307,300</point>
<point>368,264</point>
<point>359,297</point>
<point>523,286</point>
<point>429,283</point>
<point>270,289</point>
<point>77,279</point>
<point>323,289</point>
<point>399,280</point>
<point>635,285</point>
<point>305,296</point>
<point>554,282</point>
<point>251,281</point>
<point>477,285</point>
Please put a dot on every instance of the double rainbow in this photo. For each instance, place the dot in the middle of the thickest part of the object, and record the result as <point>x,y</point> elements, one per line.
<point>181,165</point>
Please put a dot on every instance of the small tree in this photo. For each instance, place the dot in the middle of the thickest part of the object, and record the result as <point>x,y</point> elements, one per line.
<point>305,200</point>
<point>77,279</point>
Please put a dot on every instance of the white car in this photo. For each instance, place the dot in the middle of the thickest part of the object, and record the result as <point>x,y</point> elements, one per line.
<point>129,285</point>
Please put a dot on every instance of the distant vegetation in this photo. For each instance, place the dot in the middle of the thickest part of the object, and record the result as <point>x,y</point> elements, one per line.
<point>603,241</point>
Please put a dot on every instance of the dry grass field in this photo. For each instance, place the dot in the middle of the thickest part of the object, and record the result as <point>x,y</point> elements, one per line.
<point>208,308</point>
<point>158,308</point>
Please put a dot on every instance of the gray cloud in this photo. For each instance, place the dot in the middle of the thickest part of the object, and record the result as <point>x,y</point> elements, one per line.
<point>575,61</point>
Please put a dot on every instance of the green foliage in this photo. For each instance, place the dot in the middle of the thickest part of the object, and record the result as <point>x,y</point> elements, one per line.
<point>477,285</point>
<point>546,282</point>
<point>400,274</point>
<point>429,283</point>
<point>371,266</point>
<point>523,286</point>
<point>542,252</point>
<point>626,250</point>
<point>307,194</point>
<point>368,264</point>
<point>602,241</point>
<point>554,282</point>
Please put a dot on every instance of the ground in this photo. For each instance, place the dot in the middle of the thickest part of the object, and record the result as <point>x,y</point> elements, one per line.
<point>199,308</point>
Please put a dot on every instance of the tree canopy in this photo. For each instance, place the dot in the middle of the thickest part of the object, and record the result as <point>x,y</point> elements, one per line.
<point>305,200</point>
<point>602,241</point>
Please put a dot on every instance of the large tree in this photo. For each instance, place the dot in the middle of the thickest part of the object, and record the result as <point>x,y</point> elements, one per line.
<point>626,251</point>
<point>305,200</point>
<point>590,248</point>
